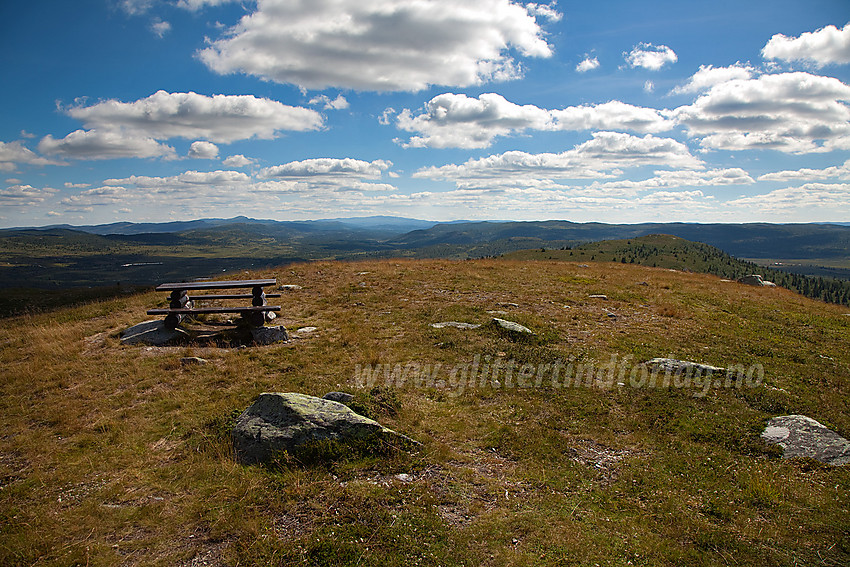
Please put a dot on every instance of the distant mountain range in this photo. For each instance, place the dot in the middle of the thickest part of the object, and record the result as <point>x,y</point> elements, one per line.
<point>62,256</point>
<point>751,240</point>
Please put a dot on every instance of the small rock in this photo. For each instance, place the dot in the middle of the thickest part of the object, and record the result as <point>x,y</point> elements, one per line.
<point>583,266</point>
<point>642,283</point>
<point>505,313</point>
<point>289,287</point>
<point>341,397</point>
<point>598,296</point>
<point>755,280</point>
<point>153,333</point>
<point>269,335</point>
<point>677,366</point>
<point>512,327</point>
<point>455,324</point>
<point>193,361</point>
<point>306,330</point>
<point>801,436</point>
<point>505,304</point>
<point>404,477</point>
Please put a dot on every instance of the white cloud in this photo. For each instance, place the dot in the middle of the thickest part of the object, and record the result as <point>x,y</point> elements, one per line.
<point>339,103</point>
<point>603,156</point>
<point>652,57</point>
<point>709,76</point>
<point>788,112</point>
<point>588,64</point>
<point>14,153</point>
<point>69,185</point>
<point>546,11</point>
<point>203,150</point>
<point>456,120</point>
<point>807,174</point>
<point>160,28</point>
<point>195,5</point>
<point>828,45</point>
<point>111,144</point>
<point>831,201</point>
<point>380,45</point>
<point>219,118</point>
<point>238,160</point>
<point>135,7</point>
<point>327,167</point>
<point>24,195</point>
<point>649,86</point>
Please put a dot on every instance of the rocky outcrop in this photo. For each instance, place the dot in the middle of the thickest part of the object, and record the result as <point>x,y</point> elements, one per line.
<point>801,436</point>
<point>278,422</point>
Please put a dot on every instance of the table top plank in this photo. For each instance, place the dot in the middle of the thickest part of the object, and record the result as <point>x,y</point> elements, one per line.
<point>231,284</point>
<point>187,311</point>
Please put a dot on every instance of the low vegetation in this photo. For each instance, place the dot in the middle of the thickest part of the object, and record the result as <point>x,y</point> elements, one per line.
<point>120,455</point>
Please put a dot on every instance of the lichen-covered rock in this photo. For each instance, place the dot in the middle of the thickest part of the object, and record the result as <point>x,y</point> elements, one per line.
<point>455,324</point>
<point>674,366</point>
<point>801,436</point>
<point>512,327</point>
<point>153,333</point>
<point>278,422</point>
<point>269,335</point>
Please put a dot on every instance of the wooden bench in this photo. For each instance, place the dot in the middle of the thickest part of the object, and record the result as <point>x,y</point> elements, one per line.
<point>182,304</point>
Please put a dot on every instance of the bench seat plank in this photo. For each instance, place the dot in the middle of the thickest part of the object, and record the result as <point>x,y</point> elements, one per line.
<point>195,310</point>
<point>231,284</point>
<point>233,296</point>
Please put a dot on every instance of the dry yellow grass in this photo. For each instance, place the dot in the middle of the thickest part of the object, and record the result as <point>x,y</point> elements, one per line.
<point>118,455</point>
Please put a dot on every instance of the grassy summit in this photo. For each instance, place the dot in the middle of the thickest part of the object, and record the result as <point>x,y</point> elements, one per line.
<point>118,455</point>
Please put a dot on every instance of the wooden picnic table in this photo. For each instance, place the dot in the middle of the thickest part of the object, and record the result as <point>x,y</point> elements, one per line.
<point>182,304</point>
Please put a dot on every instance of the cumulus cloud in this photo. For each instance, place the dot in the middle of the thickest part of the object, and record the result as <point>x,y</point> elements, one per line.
<point>98,144</point>
<point>709,76</point>
<point>218,118</point>
<point>238,160</point>
<point>327,167</point>
<point>828,45</point>
<point>339,103</point>
<point>14,153</point>
<point>546,11</point>
<point>807,174</point>
<point>195,5</point>
<point>830,201</point>
<point>652,57</point>
<point>788,112</point>
<point>588,64</point>
<point>24,195</point>
<point>203,150</point>
<point>605,155</point>
<point>458,121</point>
<point>160,28</point>
<point>381,45</point>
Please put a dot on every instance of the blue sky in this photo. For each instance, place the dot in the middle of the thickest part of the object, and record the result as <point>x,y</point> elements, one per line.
<point>612,111</point>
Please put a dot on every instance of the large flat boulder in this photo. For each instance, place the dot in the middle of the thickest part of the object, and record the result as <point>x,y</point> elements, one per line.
<point>278,422</point>
<point>153,333</point>
<point>801,436</point>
